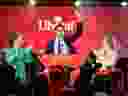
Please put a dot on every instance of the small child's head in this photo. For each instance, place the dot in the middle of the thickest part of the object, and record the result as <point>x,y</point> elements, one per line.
<point>16,39</point>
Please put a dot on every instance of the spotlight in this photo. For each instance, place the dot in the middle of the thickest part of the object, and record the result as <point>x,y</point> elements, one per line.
<point>32,2</point>
<point>77,3</point>
<point>124,4</point>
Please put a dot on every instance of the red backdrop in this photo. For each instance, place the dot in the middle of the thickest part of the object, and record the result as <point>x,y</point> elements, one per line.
<point>21,19</point>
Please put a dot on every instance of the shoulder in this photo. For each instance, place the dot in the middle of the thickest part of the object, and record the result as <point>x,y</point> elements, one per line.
<point>10,49</point>
<point>27,49</point>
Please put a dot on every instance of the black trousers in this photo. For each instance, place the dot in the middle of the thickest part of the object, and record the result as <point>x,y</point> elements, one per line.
<point>40,88</point>
<point>103,84</point>
<point>3,79</point>
<point>35,86</point>
<point>31,71</point>
<point>117,83</point>
<point>26,87</point>
<point>86,72</point>
<point>7,79</point>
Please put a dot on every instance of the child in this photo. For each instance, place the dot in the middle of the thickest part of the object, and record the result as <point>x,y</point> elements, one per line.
<point>18,56</point>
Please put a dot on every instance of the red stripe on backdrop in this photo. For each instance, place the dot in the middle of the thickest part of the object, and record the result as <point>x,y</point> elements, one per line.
<point>38,39</point>
<point>40,35</point>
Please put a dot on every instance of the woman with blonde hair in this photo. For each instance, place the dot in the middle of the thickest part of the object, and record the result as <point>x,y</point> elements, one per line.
<point>97,67</point>
<point>104,64</point>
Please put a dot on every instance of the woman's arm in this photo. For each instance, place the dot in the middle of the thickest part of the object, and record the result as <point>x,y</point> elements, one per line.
<point>38,52</point>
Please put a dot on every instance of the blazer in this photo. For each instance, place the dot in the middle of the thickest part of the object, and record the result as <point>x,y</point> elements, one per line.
<point>19,57</point>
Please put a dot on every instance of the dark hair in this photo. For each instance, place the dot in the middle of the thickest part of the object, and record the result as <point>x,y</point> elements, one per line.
<point>11,37</point>
<point>91,58</point>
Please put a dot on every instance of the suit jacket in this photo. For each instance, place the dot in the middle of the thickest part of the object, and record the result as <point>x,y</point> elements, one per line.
<point>51,47</point>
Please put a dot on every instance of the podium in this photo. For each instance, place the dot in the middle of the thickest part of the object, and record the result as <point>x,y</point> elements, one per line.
<point>60,59</point>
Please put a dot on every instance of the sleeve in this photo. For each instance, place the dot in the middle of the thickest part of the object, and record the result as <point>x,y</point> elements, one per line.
<point>10,55</point>
<point>28,55</point>
<point>50,46</point>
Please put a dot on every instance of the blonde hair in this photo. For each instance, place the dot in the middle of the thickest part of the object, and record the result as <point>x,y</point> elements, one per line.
<point>108,36</point>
